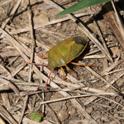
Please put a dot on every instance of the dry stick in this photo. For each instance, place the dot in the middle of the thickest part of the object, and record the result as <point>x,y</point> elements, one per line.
<point>100,77</point>
<point>6,115</point>
<point>5,100</point>
<point>112,101</point>
<point>5,69</point>
<point>49,107</point>
<point>80,109</point>
<point>10,84</point>
<point>18,69</point>
<point>62,82</point>
<point>33,47</point>
<point>3,86</point>
<point>37,26</point>
<point>106,87</point>
<point>87,89</point>
<point>33,42</point>
<point>22,85</point>
<point>94,40</point>
<point>113,65</point>
<point>105,62</point>
<point>67,98</point>
<point>117,78</point>
<point>119,22</point>
<point>23,111</point>
<point>95,74</point>
<point>76,86</point>
<point>4,95</point>
<point>101,36</point>
<point>25,29</point>
<point>2,3</point>
<point>12,13</point>
<point>80,96</point>
<point>97,93</point>
<point>114,71</point>
<point>94,56</point>
<point>58,80</point>
<point>82,27</point>
<point>2,121</point>
<point>46,48</point>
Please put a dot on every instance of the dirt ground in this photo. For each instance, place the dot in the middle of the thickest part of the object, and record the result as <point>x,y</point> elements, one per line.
<point>90,92</point>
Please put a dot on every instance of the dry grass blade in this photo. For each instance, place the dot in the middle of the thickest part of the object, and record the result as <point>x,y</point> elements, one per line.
<point>5,99</point>
<point>114,80</point>
<point>80,109</point>
<point>52,22</point>
<point>5,2</point>
<point>115,23</point>
<point>94,40</point>
<point>113,65</point>
<point>120,23</point>
<point>18,69</point>
<point>10,85</point>
<point>5,69</point>
<point>100,77</point>
<point>22,85</point>
<point>87,94</point>
<point>101,37</point>
<point>24,108</point>
<point>79,96</point>
<point>112,101</point>
<point>12,13</point>
<point>7,116</point>
<point>2,121</point>
<point>33,41</point>
<point>82,27</point>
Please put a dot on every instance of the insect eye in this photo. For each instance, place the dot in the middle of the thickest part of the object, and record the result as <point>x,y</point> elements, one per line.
<point>80,40</point>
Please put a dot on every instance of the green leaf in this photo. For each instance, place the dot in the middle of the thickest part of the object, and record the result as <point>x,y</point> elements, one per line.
<point>36,116</point>
<point>81,5</point>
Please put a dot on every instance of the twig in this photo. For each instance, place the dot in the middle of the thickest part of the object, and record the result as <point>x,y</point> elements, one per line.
<point>5,2</point>
<point>119,22</point>
<point>79,96</point>
<point>101,36</point>
<point>36,26</point>
<point>81,110</point>
<point>113,65</point>
<point>6,115</point>
<point>114,80</point>
<point>5,69</point>
<point>112,101</point>
<point>18,69</point>
<point>10,84</point>
<point>24,108</point>
<point>12,13</point>
<point>100,77</point>
<point>82,27</point>
<point>33,42</point>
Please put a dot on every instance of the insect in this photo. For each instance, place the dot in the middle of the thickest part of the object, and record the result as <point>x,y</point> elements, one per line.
<point>66,51</point>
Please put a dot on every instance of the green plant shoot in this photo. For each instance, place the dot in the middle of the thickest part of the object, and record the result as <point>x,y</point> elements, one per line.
<point>81,5</point>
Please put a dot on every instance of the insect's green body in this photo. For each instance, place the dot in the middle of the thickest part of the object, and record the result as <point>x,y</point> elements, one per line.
<point>66,51</point>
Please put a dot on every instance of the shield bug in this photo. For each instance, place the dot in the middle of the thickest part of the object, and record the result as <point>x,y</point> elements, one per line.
<point>66,51</point>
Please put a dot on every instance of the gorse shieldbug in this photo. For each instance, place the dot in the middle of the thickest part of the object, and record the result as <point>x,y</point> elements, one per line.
<point>66,51</point>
